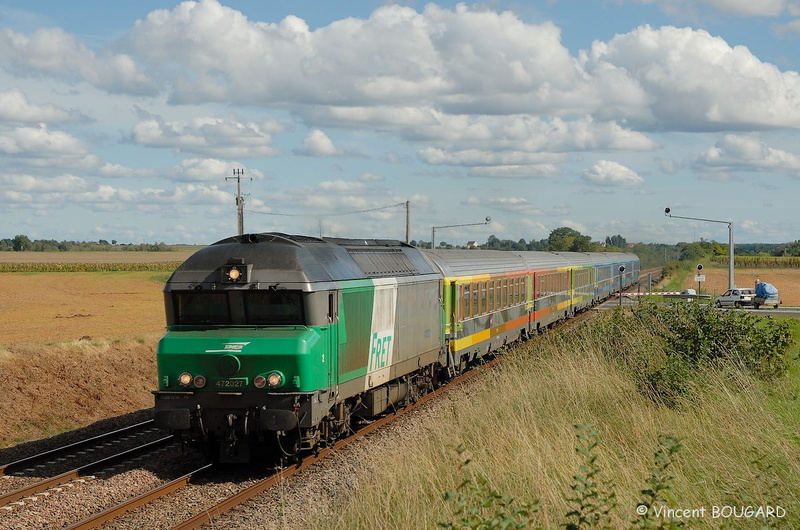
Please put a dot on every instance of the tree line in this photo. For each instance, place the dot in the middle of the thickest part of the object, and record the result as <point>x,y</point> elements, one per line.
<point>21,243</point>
<point>565,239</point>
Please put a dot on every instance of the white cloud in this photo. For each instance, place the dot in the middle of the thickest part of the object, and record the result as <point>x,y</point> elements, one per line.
<point>53,52</point>
<point>14,106</point>
<point>514,205</point>
<point>411,56</point>
<point>789,29</point>
<point>746,153</point>
<point>341,186</point>
<point>515,172</point>
<point>43,148</point>
<point>475,157</point>
<point>220,137</point>
<point>40,140</point>
<point>212,169</point>
<point>317,143</point>
<point>56,193</point>
<point>694,81</point>
<point>744,8</point>
<point>371,177</point>
<point>426,65</point>
<point>41,185</point>
<point>610,173</point>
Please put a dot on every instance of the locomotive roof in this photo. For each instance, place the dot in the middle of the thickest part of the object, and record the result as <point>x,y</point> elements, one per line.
<point>278,258</point>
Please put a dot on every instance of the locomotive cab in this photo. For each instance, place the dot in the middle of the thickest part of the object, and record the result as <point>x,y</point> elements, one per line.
<point>237,366</point>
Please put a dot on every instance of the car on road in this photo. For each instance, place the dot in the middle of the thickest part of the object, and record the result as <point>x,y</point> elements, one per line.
<point>736,297</point>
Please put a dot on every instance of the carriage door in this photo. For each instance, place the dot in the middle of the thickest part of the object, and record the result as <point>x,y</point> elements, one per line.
<point>333,339</point>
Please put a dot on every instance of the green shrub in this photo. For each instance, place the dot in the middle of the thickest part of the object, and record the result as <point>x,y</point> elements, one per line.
<point>479,507</point>
<point>594,501</point>
<point>666,347</point>
<point>703,336</point>
<point>660,483</point>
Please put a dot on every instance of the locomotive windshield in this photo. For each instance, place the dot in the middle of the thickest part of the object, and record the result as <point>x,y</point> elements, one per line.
<point>202,308</point>
<point>273,307</point>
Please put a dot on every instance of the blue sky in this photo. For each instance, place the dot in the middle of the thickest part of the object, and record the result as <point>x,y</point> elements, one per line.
<point>122,120</point>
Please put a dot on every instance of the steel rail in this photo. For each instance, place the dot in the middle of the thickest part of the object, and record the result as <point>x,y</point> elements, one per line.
<point>27,462</point>
<point>250,492</point>
<point>98,519</point>
<point>67,476</point>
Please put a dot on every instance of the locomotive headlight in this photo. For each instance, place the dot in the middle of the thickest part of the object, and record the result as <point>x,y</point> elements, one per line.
<point>234,274</point>
<point>185,379</point>
<point>199,381</point>
<point>275,379</point>
<point>272,380</point>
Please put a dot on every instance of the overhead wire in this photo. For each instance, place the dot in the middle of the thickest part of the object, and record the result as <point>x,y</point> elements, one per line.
<point>335,214</point>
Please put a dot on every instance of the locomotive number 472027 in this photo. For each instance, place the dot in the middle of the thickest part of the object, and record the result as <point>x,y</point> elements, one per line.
<point>230,383</point>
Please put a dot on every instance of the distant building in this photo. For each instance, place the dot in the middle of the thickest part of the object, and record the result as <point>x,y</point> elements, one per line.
<point>472,244</point>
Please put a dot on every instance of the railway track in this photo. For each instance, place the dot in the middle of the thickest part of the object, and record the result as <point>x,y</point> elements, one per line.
<point>60,454</point>
<point>29,492</point>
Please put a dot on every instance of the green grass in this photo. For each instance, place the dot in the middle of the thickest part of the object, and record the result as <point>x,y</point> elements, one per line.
<point>518,426</point>
<point>784,397</point>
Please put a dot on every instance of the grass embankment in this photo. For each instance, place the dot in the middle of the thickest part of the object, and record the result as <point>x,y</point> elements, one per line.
<point>739,436</point>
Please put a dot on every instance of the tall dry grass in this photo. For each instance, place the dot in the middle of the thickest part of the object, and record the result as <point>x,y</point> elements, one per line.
<point>518,425</point>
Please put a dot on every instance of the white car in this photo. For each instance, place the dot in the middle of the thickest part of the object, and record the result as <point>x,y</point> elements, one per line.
<point>736,297</point>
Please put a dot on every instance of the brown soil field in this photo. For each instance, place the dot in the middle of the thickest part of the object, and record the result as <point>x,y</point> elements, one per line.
<point>787,281</point>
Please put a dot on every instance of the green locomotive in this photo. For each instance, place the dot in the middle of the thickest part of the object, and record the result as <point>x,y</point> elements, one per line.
<point>275,343</point>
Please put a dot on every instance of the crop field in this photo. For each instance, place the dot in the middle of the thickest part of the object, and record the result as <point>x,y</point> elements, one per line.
<point>787,281</point>
<point>52,306</point>
<point>97,257</point>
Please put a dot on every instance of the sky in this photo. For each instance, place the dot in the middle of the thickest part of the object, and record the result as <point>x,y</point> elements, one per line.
<point>127,121</point>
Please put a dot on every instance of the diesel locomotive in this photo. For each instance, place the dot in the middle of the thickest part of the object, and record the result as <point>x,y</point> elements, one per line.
<point>275,343</point>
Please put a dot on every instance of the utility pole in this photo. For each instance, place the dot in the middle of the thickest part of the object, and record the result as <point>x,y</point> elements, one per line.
<point>731,283</point>
<point>237,174</point>
<point>408,222</point>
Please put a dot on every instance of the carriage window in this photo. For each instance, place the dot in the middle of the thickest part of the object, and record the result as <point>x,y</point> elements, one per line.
<point>466,297</point>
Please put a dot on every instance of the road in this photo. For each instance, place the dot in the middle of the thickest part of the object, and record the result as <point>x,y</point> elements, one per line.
<point>787,311</point>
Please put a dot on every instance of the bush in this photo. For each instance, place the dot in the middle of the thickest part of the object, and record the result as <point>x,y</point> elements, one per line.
<point>679,341</point>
